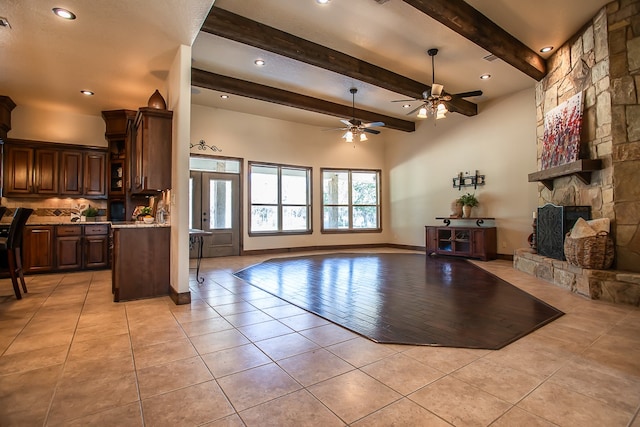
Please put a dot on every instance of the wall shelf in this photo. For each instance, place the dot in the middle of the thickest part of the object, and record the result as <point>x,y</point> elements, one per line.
<point>580,168</point>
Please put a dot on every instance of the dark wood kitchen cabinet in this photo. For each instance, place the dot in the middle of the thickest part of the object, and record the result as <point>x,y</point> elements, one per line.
<point>151,135</point>
<point>95,172</point>
<point>141,259</point>
<point>83,173</point>
<point>71,173</point>
<point>96,246</point>
<point>64,247</point>
<point>82,246</point>
<point>68,247</point>
<point>37,248</point>
<point>40,169</point>
<point>29,171</point>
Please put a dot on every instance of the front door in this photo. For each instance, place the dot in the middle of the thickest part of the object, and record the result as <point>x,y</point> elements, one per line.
<point>215,207</point>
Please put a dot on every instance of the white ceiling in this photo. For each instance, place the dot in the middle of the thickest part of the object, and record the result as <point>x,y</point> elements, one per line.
<point>122,50</point>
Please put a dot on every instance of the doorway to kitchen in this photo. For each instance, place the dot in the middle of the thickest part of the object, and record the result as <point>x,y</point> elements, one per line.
<point>214,205</point>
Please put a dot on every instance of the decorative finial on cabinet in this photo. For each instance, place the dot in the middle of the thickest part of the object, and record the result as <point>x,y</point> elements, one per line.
<point>157,101</point>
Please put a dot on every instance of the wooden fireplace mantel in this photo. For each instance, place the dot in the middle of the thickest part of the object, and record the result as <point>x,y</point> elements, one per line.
<point>580,168</point>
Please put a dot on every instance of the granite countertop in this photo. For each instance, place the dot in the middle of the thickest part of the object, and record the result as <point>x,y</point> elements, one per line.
<point>137,224</point>
<point>115,224</point>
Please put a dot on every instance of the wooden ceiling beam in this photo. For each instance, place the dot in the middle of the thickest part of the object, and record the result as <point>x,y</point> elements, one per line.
<point>226,24</point>
<point>208,80</point>
<point>474,26</point>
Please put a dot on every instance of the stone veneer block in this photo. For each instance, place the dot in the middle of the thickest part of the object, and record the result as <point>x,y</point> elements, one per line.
<point>619,292</point>
<point>628,277</point>
<point>633,54</point>
<point>564,279</point>
<point>545,271</point>
<point>525,265</point>
<point>582,286</point>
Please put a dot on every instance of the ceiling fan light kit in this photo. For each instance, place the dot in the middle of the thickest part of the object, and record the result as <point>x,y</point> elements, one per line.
<point>356,129</point>
<point>435,100</point>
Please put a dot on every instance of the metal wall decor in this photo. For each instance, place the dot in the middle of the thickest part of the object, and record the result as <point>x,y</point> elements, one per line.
<point>467,180</point>
<point>202,145</point>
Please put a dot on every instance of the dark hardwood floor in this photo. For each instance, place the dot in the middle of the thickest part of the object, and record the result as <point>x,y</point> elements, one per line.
<point>405,298</point>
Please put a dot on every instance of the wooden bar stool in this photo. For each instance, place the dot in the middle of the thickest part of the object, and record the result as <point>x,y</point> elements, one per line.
<point>11,247</point>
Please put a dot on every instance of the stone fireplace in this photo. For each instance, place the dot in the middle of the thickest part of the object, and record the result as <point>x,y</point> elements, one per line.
<point>603,61</point>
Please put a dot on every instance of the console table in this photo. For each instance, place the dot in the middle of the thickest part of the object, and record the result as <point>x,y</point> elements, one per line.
<point>464,241</point>
<point>196,239</point>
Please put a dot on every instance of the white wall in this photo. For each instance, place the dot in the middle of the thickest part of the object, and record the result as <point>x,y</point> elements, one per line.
<point>500,142</point>
<point>179,101</point>
<point>255,138</point>
<point>39,124</point>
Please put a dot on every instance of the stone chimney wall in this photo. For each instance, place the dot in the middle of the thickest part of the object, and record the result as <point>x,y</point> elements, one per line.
<point>603,61</point>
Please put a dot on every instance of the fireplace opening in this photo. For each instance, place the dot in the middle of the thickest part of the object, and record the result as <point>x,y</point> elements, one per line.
<point>553,223</point>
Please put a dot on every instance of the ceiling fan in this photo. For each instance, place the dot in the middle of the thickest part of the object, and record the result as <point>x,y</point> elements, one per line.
<point>356,128</point>
<point>436,101</point>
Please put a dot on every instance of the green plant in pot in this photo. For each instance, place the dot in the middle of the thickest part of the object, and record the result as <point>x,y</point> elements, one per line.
<point>90,214</point>
<point>468,201</point>
<point>144,212</point>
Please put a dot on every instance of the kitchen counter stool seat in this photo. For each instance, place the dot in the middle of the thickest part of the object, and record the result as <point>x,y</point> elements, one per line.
<point>10,248</point>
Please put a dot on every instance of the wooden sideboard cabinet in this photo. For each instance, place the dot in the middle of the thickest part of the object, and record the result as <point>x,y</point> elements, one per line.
<point>470,242</point>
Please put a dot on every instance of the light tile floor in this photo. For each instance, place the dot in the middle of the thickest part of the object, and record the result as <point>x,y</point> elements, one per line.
<point>237,356</point>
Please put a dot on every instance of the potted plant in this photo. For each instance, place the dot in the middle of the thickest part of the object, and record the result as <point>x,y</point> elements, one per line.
<point>90,214</point>
<point>145,212</point>
<point>468,201</point>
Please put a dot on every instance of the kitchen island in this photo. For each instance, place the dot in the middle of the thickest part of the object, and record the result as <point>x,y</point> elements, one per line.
<point>141,259</point>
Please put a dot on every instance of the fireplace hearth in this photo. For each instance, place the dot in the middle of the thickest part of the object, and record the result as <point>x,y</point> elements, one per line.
<point>554,222</point>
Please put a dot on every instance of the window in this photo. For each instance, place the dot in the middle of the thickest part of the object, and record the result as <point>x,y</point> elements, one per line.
<point>280,198</point>
<point>350,200</point>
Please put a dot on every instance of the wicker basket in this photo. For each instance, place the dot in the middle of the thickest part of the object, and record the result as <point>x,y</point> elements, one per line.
<point>594,252</point>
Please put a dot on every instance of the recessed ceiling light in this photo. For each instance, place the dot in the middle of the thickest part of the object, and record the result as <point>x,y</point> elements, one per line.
<point>546,49</point>
<point>224,96</point>
<point>64,13</point>
<point>322,1</point>
<point>86,92</point>
<point>485,77</point>
<point>406,106</point>
<point>259,62</point>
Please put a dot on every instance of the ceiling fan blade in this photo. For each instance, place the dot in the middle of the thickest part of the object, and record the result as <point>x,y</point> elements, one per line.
<point>335,129</point>
<point>373,125</point>
<point>468,94</point>
<point>346,122</point>
<point>406,100</point>
<point>373,131</point>
<point>450,107</point>
<point>416,109</point>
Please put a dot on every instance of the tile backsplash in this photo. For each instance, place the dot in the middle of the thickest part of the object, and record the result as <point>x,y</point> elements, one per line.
<point>52,209</point>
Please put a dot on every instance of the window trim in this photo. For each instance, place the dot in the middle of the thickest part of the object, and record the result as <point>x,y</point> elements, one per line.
<point>378,204</point>
<point>280,205</point>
